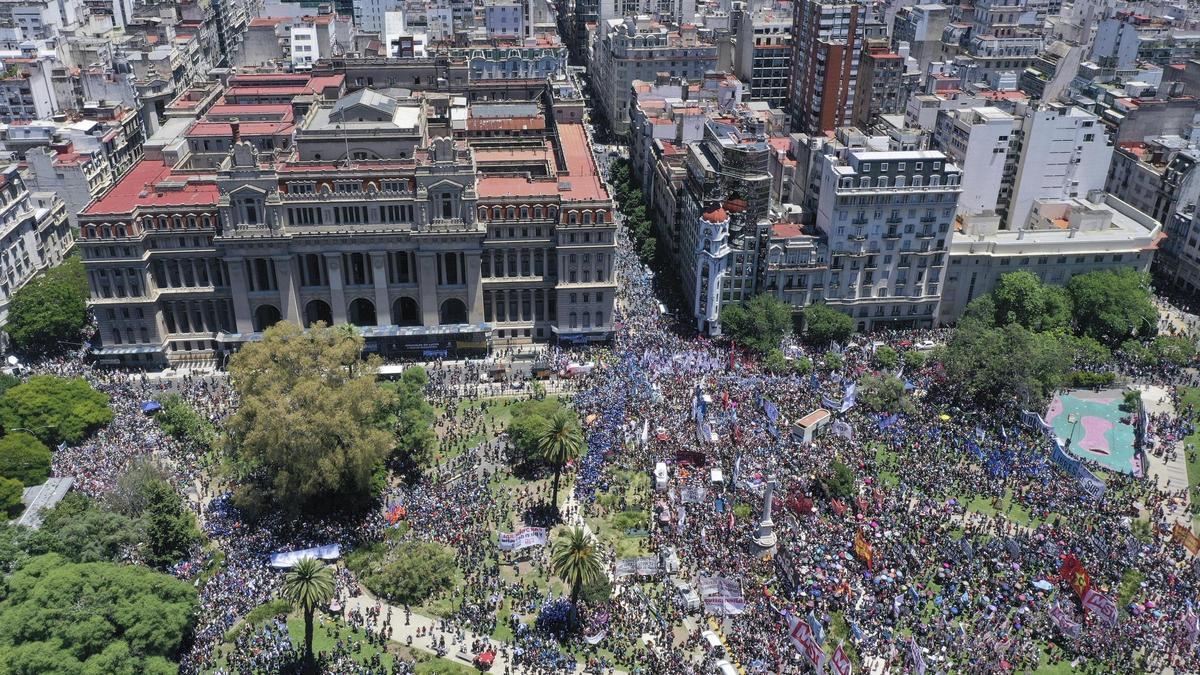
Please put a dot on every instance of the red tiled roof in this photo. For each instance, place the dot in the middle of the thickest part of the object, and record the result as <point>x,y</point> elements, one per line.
<point>786,230</point>
<point>244,129</point>
<point>138,188</point>
<point>578,182</point>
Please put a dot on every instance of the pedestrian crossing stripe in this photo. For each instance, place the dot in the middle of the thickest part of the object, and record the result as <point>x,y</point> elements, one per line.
<point>716,628</point>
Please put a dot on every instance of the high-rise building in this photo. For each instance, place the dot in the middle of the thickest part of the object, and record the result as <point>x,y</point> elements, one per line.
<point>34,237</point>
<point>978,141</point>
<point>642,49</point>
<point>826,44</point>
<point>1064,153</point>
<point>879,90</point>
<point>763,55</point>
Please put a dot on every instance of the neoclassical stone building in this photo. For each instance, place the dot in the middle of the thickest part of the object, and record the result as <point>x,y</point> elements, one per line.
<point>353,214</point>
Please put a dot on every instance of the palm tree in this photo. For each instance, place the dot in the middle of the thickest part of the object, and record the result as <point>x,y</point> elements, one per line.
<point>559,443</point>
<point>576,561</point>
<point>309,584</point>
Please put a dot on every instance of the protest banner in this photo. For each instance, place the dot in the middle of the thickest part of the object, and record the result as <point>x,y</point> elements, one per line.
<point>523,538</point>
<point>1184,536</point>
<point>800,634</point>
<point>1103,606</point>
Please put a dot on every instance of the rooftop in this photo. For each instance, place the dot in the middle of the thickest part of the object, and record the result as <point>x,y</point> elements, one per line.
<point>144,186</point>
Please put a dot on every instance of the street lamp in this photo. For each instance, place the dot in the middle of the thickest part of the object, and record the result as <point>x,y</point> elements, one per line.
<point>1073,418</point>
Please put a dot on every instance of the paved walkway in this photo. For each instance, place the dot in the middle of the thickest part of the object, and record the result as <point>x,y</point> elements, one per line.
<point>1171,476</point>
<point>456,650</point>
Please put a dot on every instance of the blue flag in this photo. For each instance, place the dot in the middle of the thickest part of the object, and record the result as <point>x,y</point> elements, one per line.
<point>817,629</point>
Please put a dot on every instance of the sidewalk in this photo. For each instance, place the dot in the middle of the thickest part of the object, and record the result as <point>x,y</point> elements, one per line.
<point>1171,476</point>
<point>458,651</point>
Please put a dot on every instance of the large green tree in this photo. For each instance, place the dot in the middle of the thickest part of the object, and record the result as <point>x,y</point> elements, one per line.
<point>311,428</point>
<point>575,559</point>
<point>991,366</point>
<point>308,585</point>
<point>1113,305</point>
<point>170,528</point>
<point>415,438</point>
<point>54,409</point>
<point>823,324</point>
<point>59,617</point>
<point>48,313</point>
<point>24,458</point>
<point>10,497</point>
<point>759,324</point>
<point>80,531</point>
<point>560,443</point>
<point>1021,298</point>
<point>526,424</point>
<point>884,393</point>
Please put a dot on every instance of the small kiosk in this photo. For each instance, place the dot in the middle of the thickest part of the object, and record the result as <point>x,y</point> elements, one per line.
<point>809,426</point>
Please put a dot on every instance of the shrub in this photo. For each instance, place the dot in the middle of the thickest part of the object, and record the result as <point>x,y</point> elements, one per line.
<point>410,573</point>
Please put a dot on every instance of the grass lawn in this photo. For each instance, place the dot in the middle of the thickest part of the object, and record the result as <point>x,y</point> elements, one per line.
<point>1008,508</point>
<point>426,663</point>
<point>1192,395</point>
<point>323,640</point>
<point>885,460</point>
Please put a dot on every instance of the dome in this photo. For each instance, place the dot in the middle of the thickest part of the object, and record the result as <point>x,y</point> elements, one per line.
<point>715,215</point>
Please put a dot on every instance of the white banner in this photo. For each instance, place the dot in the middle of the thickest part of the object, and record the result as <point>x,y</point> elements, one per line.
<point>722,597</point>
<point>522,538</point>
<point>802,639</point>
<point>693,494</point>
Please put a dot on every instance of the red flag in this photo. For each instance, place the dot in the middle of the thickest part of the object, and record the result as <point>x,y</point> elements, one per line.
<point>1073,572</point>
<point>838,507</point>
<point>863,548</point>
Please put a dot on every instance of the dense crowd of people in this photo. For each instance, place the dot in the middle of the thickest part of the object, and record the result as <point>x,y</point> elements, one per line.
<point>953,534</point>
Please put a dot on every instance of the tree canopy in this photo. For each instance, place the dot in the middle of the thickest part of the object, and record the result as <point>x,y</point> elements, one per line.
<point>1112,305</point>
<point>24,458</point>
<point>994,366</point>
<point>60,617</point>
<point>759,324</point>
<point>528,423</point>
<point>311,427</point>
<point>884,393</point>
<point>184,422</point>
<point>1021,298</point>
<point>10,497</point>
<point>414,418</point>
<point>54,409</point>
<point>50,310</point>
<point>823,324</point>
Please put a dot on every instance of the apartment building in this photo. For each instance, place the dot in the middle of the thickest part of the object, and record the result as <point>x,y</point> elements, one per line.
<point>763,54</point>
<point>639,48</point>
<point>1061,238</point>
<point>880,86</point>
<point>34,236</point>
<point>885,215</point>
<point>1064,153</point>
<point>725,216</point>
<point>979,140</point>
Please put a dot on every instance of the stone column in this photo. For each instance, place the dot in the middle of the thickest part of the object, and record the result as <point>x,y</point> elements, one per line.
<point>474,290</point>
<point>428,281</point>
<point>238,290</point>
<point>289,295</point>
<point>337,297</point>
<point>764,538</point>
<point>383,309</point>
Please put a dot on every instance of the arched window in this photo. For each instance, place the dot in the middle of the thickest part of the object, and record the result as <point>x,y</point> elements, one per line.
<point>511,212</point>
<point>537,212</point>
<point>572,217</point>
<point>587,217</point>
<point>496,213</point>
<point>483,213</point>
<point>524,213</point>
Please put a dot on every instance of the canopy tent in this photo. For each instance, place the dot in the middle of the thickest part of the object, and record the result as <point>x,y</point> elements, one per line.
<point>149,407</point>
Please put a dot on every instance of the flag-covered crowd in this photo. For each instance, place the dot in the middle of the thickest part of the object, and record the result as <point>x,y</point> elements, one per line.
<point>959,545</point>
